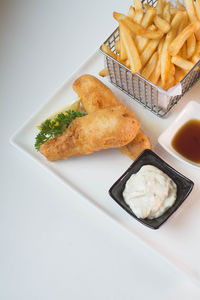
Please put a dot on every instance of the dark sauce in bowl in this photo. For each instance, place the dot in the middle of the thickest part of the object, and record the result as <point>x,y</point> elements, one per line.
<point>187,140</point>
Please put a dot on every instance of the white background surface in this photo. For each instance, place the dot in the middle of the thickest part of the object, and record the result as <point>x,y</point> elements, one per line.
<point>53,244</point>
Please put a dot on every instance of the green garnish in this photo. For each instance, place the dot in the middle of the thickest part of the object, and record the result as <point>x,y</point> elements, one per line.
<point>51,128</point>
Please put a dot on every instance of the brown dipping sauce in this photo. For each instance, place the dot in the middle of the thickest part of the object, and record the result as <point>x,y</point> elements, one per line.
<point>187,140</point>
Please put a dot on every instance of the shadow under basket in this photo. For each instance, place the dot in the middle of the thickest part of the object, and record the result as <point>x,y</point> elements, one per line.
<point>152,97</point>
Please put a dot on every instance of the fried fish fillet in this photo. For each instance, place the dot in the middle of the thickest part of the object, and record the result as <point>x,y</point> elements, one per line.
<point>94,96</point>
<point>137,146</point>
<point>106,128</point>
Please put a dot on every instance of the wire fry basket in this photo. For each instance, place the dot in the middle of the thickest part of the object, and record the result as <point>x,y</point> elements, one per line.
<point>152,97</point>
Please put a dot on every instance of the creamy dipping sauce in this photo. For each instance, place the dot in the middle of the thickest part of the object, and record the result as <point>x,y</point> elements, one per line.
<point>150,192</point>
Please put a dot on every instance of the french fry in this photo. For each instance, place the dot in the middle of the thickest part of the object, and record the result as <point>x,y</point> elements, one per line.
<point>165,60</point>
<point>183,51</point>
<point>191,45</point>
<point>137,28</point>
<point>138,11</point>
<point>164,3</point>
<point>156,74</point>
<point>137,4</point>
<point>147,6</point>
<point>178,42</point>
<point>179,18</point>
<point>161,24</point>
<point>180,6</point>
<point>166,68</point>
<point>160,46</point>
<point>179,74</point>
<point>197,49</point>
<point>174,10</point>
<point>184,22</point>
<point>123,54</point>
<point>167,13</point>
<point>117,46</point>
<point>148,17</point>
<point>172,69</point>
<point>148,51</point>
<point>104,72</point>
<point>131,12</point>
<point>170,83</point>
<point>127,63</point>
<point>142,42</point>
<point>107,50</point>
<point>152,27</point>
<point>159,83</point>
<point>150,66</point>
<point>131,50</point>
<point>196,56</point>
<point>197,7</point>
<point>189,4</point>
<point>159,7</point>
<point>182,63</point>
<point>166,65</point>
<point>138,16</point>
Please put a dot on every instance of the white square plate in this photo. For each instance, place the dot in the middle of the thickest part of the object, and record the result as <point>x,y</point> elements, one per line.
<point>191,111</point>
<point>91,176</point>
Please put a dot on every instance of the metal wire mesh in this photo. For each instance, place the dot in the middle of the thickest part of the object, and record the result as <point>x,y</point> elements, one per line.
<point>139,88</point>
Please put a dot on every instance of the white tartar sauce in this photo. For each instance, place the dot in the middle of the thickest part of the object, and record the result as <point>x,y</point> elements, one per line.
<point>150,192</point>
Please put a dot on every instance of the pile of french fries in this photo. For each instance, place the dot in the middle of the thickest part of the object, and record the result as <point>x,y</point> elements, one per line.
<point>161,43</point>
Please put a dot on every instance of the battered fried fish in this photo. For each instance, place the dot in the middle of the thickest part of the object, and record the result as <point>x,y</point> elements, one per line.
<point>137,146</point>
<point>94,96</point>
<point>106,128</point>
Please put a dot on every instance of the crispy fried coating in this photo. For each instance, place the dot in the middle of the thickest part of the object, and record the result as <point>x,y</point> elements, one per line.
<point>94,96</point>
<point>137,146</point>
<point>106,128</point>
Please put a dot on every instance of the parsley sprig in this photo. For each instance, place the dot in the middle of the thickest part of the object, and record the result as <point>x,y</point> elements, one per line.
<point>51,128</point>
